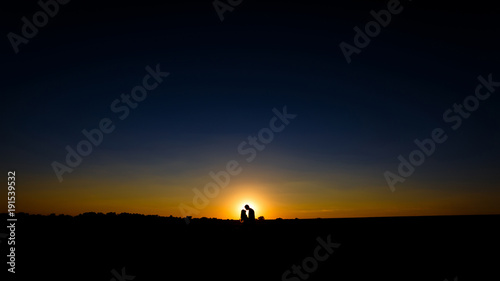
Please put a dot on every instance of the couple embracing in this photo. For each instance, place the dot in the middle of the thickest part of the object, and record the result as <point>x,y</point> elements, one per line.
<point>250,219</point>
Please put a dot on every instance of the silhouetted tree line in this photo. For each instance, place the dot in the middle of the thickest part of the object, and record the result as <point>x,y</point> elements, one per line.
<point>100,217</point>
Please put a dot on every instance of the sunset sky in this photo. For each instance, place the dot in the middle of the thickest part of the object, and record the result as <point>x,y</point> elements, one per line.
<point>225,78</point>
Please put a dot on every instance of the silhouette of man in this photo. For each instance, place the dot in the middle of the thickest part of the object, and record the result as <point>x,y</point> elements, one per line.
<point>251,214</point>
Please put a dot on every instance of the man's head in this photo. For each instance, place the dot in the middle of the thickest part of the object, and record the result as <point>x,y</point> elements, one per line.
<point>247,207</point>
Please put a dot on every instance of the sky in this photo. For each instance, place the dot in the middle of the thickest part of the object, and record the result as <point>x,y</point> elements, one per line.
<point>216,83</point>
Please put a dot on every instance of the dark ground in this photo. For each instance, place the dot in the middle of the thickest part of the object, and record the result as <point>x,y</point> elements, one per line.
<point>89,247</point>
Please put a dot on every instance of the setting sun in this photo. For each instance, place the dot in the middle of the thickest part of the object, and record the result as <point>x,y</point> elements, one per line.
<point>246,195</point>
<point>251,203</point>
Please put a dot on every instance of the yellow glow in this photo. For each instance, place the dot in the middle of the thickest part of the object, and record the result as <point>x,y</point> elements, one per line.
<point>245,195</point>
<point>241,205</point>
<point>279,199</point>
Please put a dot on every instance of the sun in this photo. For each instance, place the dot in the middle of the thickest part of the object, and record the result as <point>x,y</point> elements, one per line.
<point>241,205</point>
<point>252,195</point>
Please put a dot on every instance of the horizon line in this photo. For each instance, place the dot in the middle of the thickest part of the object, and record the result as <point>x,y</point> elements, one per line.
<point>311,218</point>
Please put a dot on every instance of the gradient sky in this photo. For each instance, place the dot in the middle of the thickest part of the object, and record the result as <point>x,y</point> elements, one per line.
<point>353,120</point>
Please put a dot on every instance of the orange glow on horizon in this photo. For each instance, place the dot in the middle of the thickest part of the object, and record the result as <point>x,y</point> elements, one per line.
<point>271,200</point>
<point>237,198</point>
<point>241,205</point>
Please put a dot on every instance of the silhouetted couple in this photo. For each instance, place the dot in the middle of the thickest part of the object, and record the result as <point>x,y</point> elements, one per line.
<point>250,219</point>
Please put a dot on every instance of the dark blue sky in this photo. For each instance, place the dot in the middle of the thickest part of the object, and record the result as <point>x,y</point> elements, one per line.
<point>226,77</point>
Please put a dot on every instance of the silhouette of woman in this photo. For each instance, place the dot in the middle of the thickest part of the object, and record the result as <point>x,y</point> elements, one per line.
<point>243,217</point>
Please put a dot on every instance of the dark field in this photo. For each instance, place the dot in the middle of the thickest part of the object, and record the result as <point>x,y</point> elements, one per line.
<point>90,247</point>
